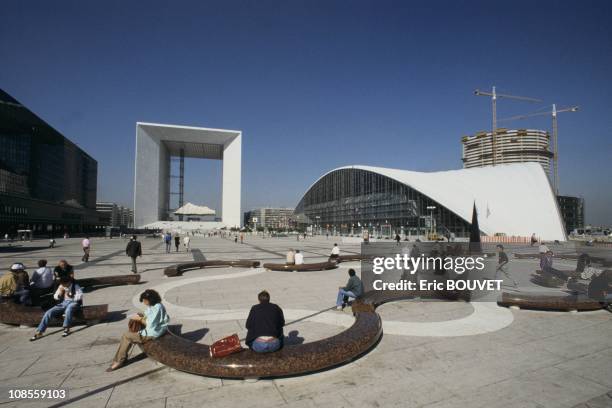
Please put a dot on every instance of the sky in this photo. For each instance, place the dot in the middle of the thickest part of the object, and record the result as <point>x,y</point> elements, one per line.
<point>314,85</point>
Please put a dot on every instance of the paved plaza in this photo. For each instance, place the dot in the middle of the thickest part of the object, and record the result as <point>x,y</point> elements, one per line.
<point>432,354</point>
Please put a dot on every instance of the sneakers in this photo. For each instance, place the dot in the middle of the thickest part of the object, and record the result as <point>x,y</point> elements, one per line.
<point>36,336</point>
<point>339,308</point>
<point>66,332</point>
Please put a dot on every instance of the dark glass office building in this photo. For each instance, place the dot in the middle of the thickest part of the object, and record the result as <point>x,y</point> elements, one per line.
<point>348,201</point>
<point>572,212</point>
<point>47,184</point>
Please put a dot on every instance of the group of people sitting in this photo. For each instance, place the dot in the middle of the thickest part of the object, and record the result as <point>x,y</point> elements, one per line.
<point>18,286</point>
<point>295,257</point>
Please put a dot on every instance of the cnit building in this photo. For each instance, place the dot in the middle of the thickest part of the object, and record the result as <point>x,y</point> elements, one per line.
<point>47,183</point>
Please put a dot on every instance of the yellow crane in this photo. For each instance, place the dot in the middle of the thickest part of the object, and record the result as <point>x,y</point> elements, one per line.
<point>554,112</point>
<point>494,95</point>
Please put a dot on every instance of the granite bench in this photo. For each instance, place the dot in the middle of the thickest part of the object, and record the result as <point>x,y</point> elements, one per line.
<point>177,270</point>
<point>182,354</point>
<point>569,302</point>
<point>13,313</point>
<point>114,280</point>
<point>352,257</point>
<point>306,267</point>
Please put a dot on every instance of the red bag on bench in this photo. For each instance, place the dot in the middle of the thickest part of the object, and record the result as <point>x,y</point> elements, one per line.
<point>225,346</point>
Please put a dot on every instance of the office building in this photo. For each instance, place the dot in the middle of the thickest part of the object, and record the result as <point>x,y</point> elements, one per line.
<point>267,217</point>
<point>572,212</point>
<point>116,216</point>
<point>47,183</point>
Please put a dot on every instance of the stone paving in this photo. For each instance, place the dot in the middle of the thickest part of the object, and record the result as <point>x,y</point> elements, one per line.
<point>533,359</point>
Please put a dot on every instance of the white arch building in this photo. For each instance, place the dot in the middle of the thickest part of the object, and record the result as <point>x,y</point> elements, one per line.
<point>513,199</point>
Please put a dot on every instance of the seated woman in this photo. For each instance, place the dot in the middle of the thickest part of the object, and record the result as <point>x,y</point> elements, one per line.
<point>155,321</point>
<point>265,325</point>
<point>70,296</point>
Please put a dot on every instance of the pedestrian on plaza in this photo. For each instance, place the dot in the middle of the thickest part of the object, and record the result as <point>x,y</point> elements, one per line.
<point>177,242</point>
<point>299,257</point>
<point>502,261</point>
<point>242,237</point>
<point>155,321</point>
<point>168,241</point>
<point>51,243</point>
<point>353,289</point>
<point>63,269</point>
<point>534,239</point>
<point>70,296</point>
<point>335,253</point>
<point>397,239</point>
<point>186,242</point>
<point>133,250</point>
<point>41,281</point>
<point>86,244</point>
<point>265,325</point>
<point>290,260</point>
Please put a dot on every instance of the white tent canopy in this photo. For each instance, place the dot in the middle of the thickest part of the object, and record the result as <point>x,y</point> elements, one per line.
<point>192,209</point>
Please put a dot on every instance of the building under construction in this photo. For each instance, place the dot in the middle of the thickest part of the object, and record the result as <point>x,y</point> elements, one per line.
<point>511,146</point>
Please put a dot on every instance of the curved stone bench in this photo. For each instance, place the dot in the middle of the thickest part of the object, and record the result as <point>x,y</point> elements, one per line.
<point>12,313</point>
<point>307,267</point>
<point>352,257</point>
<point>549,302</point>
<point>177,270</point>
<point>114,280</point>
<point>184,355</point>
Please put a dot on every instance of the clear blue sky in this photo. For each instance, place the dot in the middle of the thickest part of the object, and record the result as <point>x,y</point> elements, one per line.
<point>313,85</point>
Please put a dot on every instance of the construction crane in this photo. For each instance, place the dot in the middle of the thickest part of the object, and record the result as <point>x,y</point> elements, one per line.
<point>554,112</point>
<point>494,95</point>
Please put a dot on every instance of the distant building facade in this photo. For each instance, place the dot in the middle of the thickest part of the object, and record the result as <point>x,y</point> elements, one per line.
<point>47,183</point>
<point>269,218</point>
<point>572,212</point>
<point>511,146</point>
<point>115,215</point>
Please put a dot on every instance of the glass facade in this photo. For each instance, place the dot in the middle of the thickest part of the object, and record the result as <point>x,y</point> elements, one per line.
<point>46,182</point>
<point>348,200</point>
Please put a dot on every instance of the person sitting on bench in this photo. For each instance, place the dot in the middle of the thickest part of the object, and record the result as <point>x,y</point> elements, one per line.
<point>154,322</point>
<point>290,260</point>
<point>41,282</point>
<point>70,296</point>
<point>14,285</point>
<point>335,253</point>
<point>265,325</point>
<point>353,289</point>
<point>299,257</point>
<point>62,269</point>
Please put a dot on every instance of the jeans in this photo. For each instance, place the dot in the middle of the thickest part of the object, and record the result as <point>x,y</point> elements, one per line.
<point>85,254</point>
<point>22,296</point>
<point>168,247</point>
<point>134,269</point>
<point>265,346</point>
<point>68,307</point>
<point>341,294</point>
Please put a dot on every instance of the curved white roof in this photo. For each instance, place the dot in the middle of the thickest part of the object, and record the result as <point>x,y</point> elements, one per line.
<point>192,209</point>
<point>515,199</point>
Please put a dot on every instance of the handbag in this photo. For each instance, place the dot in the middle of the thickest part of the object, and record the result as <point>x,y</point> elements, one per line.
<point>135,325</point>
<point>225,346</point>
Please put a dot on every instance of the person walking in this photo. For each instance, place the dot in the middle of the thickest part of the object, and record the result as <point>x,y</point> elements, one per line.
<point>186,242</point>
<point>177,242</point>
<point>168,241</point>
<point>502,261</point>
<point>86,244</point>
<point>397,239</point>
<point>242,237</point>
<point>133,250</point>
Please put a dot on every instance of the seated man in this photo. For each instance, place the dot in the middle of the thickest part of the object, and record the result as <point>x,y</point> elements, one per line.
<point>8,285</point>
<point>70,296</point>
<point>335,253</point>
<point>299,257</point>
<point>265,325</point>
<point>21,293</point>
<point>63,269</point>
<point>41,282</point>
<point>353,289</point>
<point>290,257</point>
